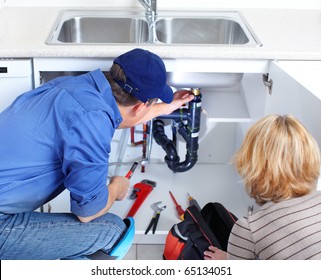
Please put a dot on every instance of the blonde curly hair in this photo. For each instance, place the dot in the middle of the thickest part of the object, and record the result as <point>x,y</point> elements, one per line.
<point>279,159</point>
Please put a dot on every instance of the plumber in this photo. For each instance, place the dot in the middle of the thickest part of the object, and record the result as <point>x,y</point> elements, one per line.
<point>58,137</point>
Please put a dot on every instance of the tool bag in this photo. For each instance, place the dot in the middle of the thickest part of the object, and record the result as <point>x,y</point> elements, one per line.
<point>189,239</point>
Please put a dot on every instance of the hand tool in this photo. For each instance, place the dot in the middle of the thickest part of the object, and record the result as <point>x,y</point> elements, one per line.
<point>179,208</point>
<point>154,221</point>
<point>140,192</point>
<point>131,170</point>
<point>192,201</point>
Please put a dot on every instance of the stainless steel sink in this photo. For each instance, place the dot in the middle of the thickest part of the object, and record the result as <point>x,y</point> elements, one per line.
<point>102,30</point>
<point>200,31</point>
<point>76,27</point>
<point>228,29</point>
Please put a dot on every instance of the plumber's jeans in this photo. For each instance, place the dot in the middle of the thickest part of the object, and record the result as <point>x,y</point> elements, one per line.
<point>50,236</point>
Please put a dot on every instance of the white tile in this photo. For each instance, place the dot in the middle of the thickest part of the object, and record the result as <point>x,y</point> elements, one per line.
<point>132,253</point>
<point>150,252</point>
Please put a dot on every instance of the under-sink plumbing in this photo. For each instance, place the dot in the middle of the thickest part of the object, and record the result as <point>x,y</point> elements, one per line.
<point>186,122</point>
<point>151,15</point>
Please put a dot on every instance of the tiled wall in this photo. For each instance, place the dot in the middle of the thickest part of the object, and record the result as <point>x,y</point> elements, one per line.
<point>168,4</point>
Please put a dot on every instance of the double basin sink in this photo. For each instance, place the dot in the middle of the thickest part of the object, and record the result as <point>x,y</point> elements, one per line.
<point>132,27</point>
<point>221,28</point>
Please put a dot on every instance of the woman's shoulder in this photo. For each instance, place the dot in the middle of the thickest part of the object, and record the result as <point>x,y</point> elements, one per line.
<point>271,209</point>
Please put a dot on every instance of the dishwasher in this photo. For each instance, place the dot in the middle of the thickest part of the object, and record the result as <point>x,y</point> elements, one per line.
<point>15,79</point>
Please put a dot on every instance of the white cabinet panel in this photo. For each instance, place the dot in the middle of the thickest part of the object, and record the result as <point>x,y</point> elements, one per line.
<point>15,78</point>
<point>306,73</point>
<point>296,91</point>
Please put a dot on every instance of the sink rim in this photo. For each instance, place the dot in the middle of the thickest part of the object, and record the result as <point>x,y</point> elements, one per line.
<point>232,15</point>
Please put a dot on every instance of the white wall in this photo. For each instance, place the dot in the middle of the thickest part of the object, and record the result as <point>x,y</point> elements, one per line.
<point>178,4</point>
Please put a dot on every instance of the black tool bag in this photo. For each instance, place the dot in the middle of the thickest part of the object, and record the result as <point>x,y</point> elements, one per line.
<point>189,239</point>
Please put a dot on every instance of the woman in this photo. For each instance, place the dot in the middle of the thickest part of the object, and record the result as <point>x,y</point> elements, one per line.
<point>279,162</point>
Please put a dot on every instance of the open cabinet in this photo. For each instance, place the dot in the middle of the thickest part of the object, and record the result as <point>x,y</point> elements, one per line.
<point>227,114</point>
<point>296,90</point>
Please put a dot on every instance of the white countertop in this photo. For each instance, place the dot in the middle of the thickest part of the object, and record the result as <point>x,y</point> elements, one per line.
<point>285,34</point>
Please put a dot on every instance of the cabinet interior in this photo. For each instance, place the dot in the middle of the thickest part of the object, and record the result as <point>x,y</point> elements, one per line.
<point>227,114</point>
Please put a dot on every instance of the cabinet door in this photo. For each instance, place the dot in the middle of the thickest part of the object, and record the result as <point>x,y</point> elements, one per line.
<point>15,78</point>
<point>296,90</point>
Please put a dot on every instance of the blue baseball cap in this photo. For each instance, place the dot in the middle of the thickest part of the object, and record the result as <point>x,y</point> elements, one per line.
<point>145,75</point>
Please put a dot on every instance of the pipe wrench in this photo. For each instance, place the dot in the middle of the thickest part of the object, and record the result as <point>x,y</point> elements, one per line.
<point>140,192</point>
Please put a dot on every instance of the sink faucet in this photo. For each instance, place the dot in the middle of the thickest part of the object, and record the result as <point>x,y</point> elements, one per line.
<point>150,7</point>
<point>151,14</point>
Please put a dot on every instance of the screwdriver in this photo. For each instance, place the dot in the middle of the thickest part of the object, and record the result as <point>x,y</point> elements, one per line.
<point>179,208</point>
<point>131,170</point>
<point>192,201</point>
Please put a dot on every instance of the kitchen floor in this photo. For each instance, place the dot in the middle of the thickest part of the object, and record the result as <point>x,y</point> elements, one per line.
<point>145,252</point>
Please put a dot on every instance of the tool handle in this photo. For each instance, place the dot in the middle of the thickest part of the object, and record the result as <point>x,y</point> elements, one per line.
<point>194,202</point>
<point>142,191</point>
<point>150,225</point>
<point>138,202</point>
<point>131,170</point>
<point>179,208</point>
<point>180,211</point>
<point>156,222</point>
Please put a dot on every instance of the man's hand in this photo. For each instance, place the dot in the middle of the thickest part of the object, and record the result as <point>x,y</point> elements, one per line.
<point>181,98</point>
<point>119,187</point>
<point>117,190</point>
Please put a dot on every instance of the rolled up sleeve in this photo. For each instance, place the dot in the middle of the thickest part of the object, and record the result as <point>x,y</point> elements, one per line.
<point>85,153</point>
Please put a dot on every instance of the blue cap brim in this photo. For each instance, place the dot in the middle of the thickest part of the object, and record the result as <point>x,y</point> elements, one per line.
<point>168,95</point>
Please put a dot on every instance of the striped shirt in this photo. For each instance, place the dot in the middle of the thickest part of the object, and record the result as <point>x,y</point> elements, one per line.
<point>287,230</point>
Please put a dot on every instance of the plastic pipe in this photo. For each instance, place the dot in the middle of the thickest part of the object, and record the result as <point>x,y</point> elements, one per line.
<point>189,131</point>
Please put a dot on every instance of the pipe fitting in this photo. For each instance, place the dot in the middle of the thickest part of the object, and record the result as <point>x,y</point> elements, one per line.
<point>189,132</point>
<point>167,145</point>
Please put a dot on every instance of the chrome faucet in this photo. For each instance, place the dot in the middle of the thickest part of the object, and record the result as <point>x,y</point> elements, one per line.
<point>151,15</point>
<point>150,7</point>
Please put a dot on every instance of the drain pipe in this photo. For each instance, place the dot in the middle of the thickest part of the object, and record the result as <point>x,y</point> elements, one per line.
<point>189,131</point>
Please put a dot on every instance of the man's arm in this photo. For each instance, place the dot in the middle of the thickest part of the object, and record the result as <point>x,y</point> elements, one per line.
<point>117,190</point>
<point>180,98</point>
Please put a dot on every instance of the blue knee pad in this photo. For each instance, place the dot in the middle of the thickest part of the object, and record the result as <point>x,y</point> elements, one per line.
<point>122,246</point>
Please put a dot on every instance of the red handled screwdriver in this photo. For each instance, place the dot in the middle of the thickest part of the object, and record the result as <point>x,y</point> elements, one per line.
<point>179,208</point>
<point>131,170</point>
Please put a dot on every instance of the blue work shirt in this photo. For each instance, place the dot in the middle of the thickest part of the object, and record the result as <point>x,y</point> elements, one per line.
<point>55,137</point>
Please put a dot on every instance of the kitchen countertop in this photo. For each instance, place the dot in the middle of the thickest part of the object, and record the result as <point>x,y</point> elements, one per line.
<point>285,35</point>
